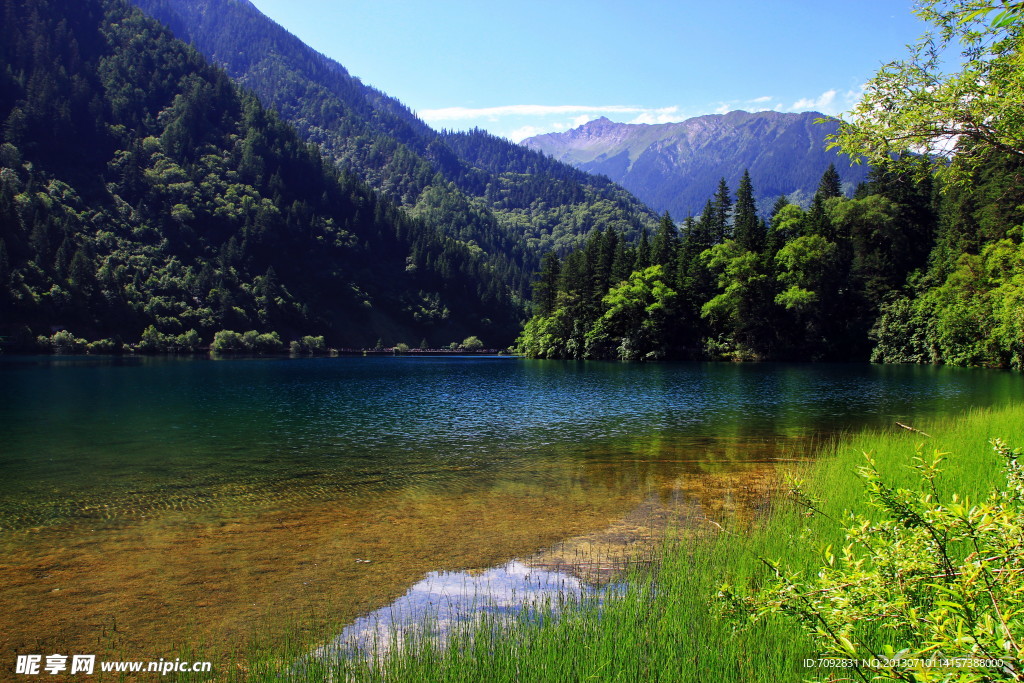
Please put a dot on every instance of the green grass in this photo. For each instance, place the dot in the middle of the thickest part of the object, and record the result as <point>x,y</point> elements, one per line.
<point>666,625</point>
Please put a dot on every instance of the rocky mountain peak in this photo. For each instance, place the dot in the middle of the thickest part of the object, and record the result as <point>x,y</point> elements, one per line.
<point>676,166</point>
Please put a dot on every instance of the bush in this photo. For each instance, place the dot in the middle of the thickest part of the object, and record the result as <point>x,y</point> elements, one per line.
<point>251,341</point>
<point>933,583</point>
<point>268,342</point>
<point>103,346</point>
<point>227,341</point>
<point>309,346</point>
<point>471,344</point>
<point>154,341</point>
<point>188,341</point>
<point>314,345</point>
<point>61,341</point>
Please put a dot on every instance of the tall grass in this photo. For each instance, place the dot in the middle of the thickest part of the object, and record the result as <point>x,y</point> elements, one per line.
<point>666,625</point>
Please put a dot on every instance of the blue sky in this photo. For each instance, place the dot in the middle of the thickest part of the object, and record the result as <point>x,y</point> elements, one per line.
<point>525,67</point>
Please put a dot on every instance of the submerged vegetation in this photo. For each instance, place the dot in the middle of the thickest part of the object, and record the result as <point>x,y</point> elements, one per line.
<point>149,203</point>
<point>796,606</point>
<point>672,622</point>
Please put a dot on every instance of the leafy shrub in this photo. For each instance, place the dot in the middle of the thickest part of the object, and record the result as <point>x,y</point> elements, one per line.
<point>227,341</point>
<point>268,342</point>
<point>933,591</point>
<point>188,341</point>
<point>61,341</point>
<point>472,343</point>
<point>103,346</point>
<point>251,341</point>
<point>309,346</point>
<point>314,344</point>
<point>154,341</point>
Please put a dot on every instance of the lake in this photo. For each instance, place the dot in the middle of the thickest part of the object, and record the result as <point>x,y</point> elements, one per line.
<point>148,504</point>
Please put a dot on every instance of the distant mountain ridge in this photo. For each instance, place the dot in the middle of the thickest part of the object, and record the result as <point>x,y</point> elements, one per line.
<point>512,203</point>
<point>676,167</point>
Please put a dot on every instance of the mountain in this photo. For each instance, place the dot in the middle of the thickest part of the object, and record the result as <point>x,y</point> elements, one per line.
<point>511,203</point>
<point>675,167</point>
<point>147,199</point>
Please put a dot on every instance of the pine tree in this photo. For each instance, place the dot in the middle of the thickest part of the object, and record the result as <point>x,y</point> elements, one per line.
<point>721,208</point>
<point>606,245</point>
<point>665,245</point>
<point>830,185</point>
<point>748,230</point>
<point>594,281</point>
<point>545,289</point>
<point>780,203</point>
<point>622,263</point>
<point>643,252</point>
<point>817,222</point>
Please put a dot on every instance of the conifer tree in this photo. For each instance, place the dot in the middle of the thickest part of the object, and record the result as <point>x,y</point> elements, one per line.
<point>747,228</point>
<point>643,252</point>
<point>665,247</point>
<point>545,289</point>
<point>780,204</point>
<point>721,208</point>
<point>693,281</point>
<point>606,259</point>
<point>830,185</point>
<point>817,222</point>
<point>622,261</point>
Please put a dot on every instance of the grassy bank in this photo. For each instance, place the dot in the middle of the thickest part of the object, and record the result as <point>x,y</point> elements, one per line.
<point>667,623</point>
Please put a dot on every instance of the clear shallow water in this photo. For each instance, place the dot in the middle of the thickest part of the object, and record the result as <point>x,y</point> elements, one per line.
<point>443,602</point>
<point>139,488</point>
<point>184,430</point>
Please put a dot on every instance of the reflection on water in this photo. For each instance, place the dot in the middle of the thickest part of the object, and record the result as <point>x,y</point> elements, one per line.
<point>444,602</point>
<point>188,500</point>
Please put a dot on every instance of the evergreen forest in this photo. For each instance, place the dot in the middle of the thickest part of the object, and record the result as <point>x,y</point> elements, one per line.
<point>147,200</point>
<point>508,202</point>
<point>248,193</point>
<point>905,270</point>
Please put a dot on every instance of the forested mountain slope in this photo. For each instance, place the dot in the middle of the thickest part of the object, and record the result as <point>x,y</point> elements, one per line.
<point>511,202</point>
<point>145,198</point>
<point>900,272</point>
<point>675,167</point>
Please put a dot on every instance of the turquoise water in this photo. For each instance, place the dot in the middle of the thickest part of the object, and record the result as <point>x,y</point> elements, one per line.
<point>150,502</point>
<point>133,433</point>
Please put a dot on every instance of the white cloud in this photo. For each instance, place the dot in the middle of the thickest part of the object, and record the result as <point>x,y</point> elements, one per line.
<point>753,104</point>
<point>822,103</point>
<point>448,601</point>
<point>464,113</point>
<point>523,132</point>
<point>519,121</point>
<point>583,113</point>
<point>663,115</point>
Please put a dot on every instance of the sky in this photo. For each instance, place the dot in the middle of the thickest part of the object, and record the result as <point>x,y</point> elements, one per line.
<point>523,68</point>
